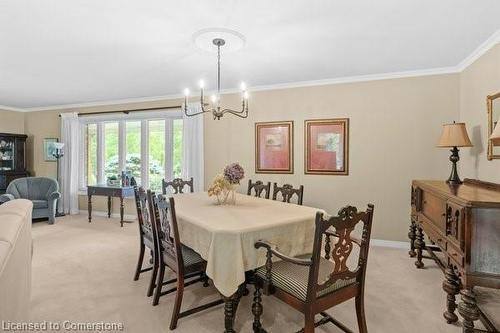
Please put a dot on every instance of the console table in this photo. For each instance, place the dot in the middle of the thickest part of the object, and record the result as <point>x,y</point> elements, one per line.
<point>109,191</point>
<point>462,222</point>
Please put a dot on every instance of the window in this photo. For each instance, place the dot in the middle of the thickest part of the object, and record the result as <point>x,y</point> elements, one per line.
<point>148,147</point>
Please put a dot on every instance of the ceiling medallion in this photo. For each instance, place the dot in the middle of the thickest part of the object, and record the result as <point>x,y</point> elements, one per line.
<point>215,107</point>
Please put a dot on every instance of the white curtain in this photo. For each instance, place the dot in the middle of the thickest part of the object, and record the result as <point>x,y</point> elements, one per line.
<point>192,147</point>
<point>69,168</point>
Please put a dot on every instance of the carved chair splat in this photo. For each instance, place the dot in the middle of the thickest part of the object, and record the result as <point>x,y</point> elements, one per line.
<point>287,192</point>
<point>313,285</point>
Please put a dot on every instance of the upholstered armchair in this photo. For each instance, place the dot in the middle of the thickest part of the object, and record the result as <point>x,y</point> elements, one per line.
<point>41,191</point>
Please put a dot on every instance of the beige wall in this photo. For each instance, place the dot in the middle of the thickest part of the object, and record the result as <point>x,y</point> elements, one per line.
<point>479,80</point>
<point>393,129</point>
<point>394,125</point>
<point>11,122</point>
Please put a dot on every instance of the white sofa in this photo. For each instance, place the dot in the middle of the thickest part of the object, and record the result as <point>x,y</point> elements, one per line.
<point>15,260</point>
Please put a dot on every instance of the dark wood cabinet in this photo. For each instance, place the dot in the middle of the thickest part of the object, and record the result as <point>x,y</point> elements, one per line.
<point>12,158</point>
<point>463,223</point>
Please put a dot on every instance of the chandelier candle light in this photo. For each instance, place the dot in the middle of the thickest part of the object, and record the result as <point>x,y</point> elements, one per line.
<point>215,108</point>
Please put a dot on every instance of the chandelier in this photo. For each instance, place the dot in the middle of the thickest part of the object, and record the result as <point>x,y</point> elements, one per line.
<point>215,108</point>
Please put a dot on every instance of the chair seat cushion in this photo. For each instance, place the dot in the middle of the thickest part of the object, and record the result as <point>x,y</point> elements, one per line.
<point>40,204</point>
<point>191,258</point>
<point>293,278</point>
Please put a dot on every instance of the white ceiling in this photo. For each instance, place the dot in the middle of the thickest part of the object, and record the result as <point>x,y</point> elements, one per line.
<point>55,52</point>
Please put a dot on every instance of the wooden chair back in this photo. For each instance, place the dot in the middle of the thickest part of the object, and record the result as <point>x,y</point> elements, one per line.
<point>143,216</point>
<point>287,192</point>
<point>178,185</point>
<point>259,187</point>
<point>167,235</point>
<point>340,228</point>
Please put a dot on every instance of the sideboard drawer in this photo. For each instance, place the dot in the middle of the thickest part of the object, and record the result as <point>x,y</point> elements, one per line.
<point>434,208</point>
<point>455,255</point>
<point>435,236</point>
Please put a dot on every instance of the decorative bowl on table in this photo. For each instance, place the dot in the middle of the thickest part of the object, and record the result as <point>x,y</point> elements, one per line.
<point>224,185</point>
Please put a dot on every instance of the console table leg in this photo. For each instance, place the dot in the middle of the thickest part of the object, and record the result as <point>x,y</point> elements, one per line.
<point>451,285</point>
<point>420,246</point>
<point>412,236</point>
<point>121,211</point>
<point>109,207</point>
<point>468,310</point>
<point>89,207</point>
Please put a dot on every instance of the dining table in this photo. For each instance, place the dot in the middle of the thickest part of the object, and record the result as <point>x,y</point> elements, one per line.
<point>225,236</point>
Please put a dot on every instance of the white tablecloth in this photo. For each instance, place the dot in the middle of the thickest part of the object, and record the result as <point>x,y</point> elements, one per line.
<point>225,235</point>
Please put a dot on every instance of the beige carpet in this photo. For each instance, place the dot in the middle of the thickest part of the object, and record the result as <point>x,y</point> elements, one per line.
<point>83,273</point>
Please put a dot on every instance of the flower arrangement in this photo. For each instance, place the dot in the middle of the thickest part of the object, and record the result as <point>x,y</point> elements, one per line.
<point>234,173</point>
<point>223,185</point>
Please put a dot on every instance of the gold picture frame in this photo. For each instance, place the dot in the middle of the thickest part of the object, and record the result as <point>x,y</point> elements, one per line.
<point>326,146</point>
<point>493,110</point>
<point>274,147</point>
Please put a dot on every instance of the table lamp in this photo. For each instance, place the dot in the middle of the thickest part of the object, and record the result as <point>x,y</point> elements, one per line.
<point>453,136</point>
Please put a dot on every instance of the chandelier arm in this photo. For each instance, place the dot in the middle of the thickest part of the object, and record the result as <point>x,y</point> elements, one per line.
<point>196,113</point>
<point>241,114</point>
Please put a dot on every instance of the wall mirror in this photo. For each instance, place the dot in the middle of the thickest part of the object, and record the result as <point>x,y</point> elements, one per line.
<point>493,104</point>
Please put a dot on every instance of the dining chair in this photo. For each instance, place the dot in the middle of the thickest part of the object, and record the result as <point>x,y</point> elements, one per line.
<point>314,283</point>
<point>146,238</point>
<point>258,187</point>
<point>287,192</point>
<point>178,185</point>
<point>182,260</point>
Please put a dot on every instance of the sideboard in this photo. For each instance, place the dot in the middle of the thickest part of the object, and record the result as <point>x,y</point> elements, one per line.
<point>462,222</point>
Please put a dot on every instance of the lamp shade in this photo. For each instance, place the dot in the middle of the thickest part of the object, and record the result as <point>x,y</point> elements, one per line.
<point>495,136</point>
<point>454,135</point>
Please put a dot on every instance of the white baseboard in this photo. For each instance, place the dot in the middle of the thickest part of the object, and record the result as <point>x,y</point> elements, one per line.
<point>388,243</point>
<point>127,217</point>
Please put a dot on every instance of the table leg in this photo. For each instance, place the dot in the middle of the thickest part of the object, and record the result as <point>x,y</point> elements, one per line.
<point>121,211</point>
<point>89,206</point>
<point>230,307</point>
<point>468,310</point>
<point>420,246</point>
<point>229,314</point>
<point>412,235</point>
<point>451,285</point>
<point>109,207</point>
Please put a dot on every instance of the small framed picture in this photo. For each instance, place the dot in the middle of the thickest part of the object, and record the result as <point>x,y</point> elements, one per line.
<point>326,146</point>
<point>274,147</point>
<point>49,149</point>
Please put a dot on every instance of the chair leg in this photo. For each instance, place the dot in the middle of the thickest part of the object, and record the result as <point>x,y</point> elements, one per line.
<point>309,322</point>
<point>178,302</point>
<point>205,280</point>
<point>360,313</point>
<point>257,309</point>
<point>159,284</point>
<point>139,263</point>
<point>153,276</point>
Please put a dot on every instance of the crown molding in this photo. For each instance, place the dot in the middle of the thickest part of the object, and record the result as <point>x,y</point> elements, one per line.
<point>279,86</point>
<point>469,60</point>
<point>10,108</point>
<point>479,51</point>
<point>104,103</point>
